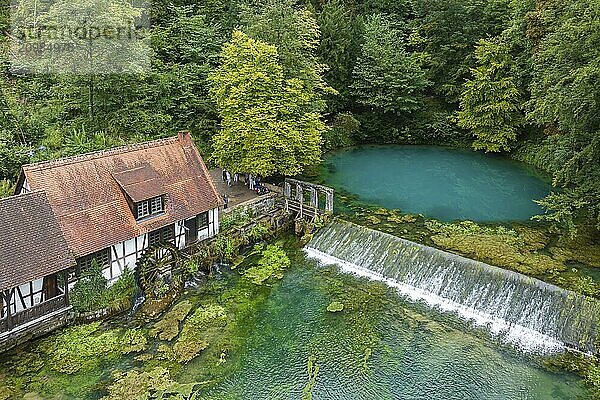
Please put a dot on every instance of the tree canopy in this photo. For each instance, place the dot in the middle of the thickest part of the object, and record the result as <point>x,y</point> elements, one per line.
<point>519,77</point>
<point>386,76</point>
<point>491,102</point>
<point>266,126</point>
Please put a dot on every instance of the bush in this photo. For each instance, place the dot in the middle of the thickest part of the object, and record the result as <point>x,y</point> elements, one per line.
<point>12,156</point>
<point>191,267</point>
<point>258,231</point>
<point>227,247</point>
<point>119,295</point>
<point>6,188</point>
<point>87,292</point>
<point>341,132</point>
<point>238,217</point>
<point>91,292</point>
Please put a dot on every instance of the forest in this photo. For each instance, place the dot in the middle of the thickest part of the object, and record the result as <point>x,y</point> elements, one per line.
<point>296,79</point>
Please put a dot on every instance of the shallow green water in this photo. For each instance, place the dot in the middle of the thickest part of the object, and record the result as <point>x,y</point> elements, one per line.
<point>378,348</point>
<point>413,356</point>
<point>439,182</point>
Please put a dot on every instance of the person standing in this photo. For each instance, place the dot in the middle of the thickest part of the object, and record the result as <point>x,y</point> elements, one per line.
<point>224,175</point>
<point>228,178</point>
<point>225,201</point>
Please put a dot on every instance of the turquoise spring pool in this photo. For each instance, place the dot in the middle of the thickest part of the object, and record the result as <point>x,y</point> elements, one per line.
<point>438,182</point>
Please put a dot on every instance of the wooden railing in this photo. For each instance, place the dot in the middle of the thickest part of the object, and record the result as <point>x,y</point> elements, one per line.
<point>303,210</point>
<point>32,313</point>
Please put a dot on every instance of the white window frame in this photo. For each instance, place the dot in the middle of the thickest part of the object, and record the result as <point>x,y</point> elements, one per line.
<point>143,209</point>
<point>156,205</point>
<point>153,206</point>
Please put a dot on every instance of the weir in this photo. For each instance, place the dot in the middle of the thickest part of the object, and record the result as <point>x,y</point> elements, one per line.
<point>534,315</point>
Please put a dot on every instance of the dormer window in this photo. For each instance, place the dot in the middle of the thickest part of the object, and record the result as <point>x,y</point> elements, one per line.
<point>156,205</point>
<point>150,207</point>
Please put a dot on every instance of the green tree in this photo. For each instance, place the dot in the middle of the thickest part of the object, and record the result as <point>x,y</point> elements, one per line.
<point>566,68</point>
<point>265,125</point>
<point>87,292</point>
<point>386,76</point>
<point>90,53</point>
<point>400,11</point>
<point>565,100</point>
<point>448,31</point>
<point>294,31</point>
<point>187,49</point>
<point>341,34</point>
<point>490,102</point>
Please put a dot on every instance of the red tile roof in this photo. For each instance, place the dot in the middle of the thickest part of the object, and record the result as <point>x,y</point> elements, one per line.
<point>88,193</point>
<point>140,183</point>
<point>32,244</point>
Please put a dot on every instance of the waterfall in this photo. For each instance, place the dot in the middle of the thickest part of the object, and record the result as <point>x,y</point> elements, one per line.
<point>533,315</point>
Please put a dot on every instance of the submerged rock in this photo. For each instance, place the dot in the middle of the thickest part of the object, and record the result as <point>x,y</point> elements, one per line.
<point>335,306</point>
<point>168,327</point>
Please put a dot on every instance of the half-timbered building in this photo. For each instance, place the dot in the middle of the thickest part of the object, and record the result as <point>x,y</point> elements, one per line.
<point>34,259</point>
<point>109,206</point>
<point>112,205</point>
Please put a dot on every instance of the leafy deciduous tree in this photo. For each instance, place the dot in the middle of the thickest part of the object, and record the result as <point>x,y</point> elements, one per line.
<point>266,128</point>
<point>294,31</point>
<point>386,76</point>
<point>341,35</point>
<point>565,95</point>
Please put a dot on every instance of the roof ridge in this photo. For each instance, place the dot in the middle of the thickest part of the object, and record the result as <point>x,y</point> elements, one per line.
<point>98,154</point>
<point>24,194</point>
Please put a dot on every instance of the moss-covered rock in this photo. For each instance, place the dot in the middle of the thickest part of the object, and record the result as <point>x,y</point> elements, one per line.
<point>373,219</point>
<point>501,251</point>
<point>196,331</point>
<point>271,265</point>
<point>168,326</point>
<point>584,249</point>
<point>533,239</point>
<point>586,367</point>
<point>152,308</point>
<point>154,384</point>
<point>335,306</point>
<point>6,393</point>
<point>134,341</point>
<point>80,348</point>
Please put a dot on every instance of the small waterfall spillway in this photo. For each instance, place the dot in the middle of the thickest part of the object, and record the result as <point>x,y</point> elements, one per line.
<point>534,315</point>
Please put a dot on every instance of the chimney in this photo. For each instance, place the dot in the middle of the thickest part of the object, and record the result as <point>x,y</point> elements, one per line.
<point>184,137</point>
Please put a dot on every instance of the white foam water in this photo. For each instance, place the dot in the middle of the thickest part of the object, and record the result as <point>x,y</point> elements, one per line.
<point>524,338</point>
<point>530,314</point>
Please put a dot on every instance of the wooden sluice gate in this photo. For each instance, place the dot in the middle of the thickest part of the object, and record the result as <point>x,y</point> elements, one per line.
<point>303,199</point>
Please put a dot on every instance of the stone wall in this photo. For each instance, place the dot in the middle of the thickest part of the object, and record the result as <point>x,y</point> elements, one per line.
<point>35,329</point>
<point>258,206</point>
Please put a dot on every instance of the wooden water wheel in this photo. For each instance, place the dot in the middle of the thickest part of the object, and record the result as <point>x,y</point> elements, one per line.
<point>159,268</point>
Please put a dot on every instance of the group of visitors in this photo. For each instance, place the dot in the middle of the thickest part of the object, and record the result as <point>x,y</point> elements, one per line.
<point>228,178</point>
<point>253,182</point>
